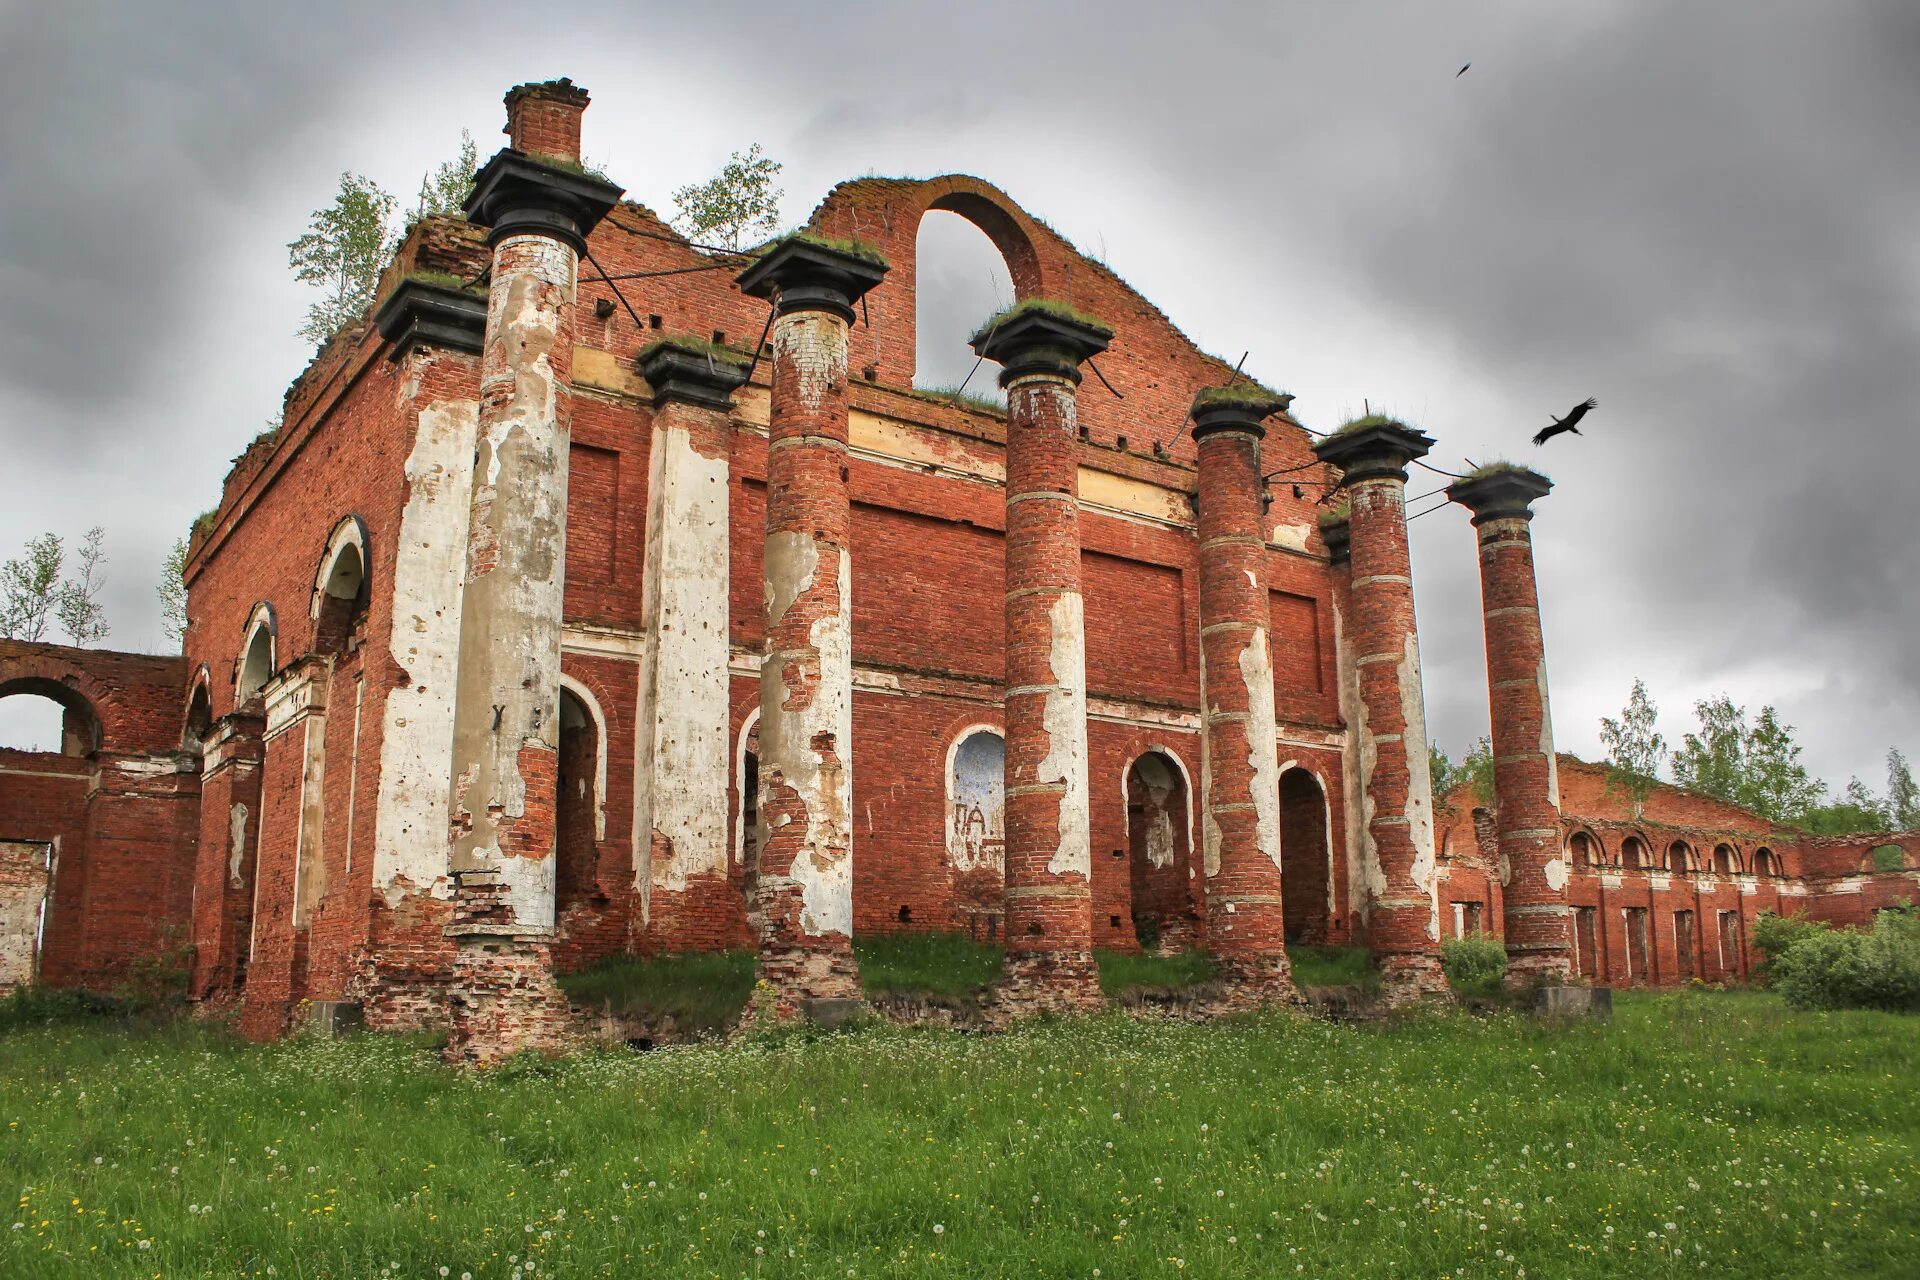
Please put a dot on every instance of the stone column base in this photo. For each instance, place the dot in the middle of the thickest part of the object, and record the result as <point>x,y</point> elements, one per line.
<point>503,1000</point>
<point>1411,977</point>
<point>1527,970</point>
<point>1037,982</point>
<point>822,974</point>
<point>1573,1002</point>
<point>1256,982</point>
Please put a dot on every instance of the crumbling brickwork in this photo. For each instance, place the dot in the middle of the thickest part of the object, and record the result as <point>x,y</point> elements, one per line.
<point>296,796</point>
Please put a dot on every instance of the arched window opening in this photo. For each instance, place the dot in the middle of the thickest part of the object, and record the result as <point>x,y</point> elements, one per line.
<point>256,668</point>
<point>1584,851</point>
<point>1726,861</point>
<point>342,602</point>
<point>960,279</point>
<point>47,720</point>
<point>1679,857</point>
<point>1633,853</point>
<point>1765,863</point>
<point>1306,867</point>
<point>977,831</point>
<point>1157,854</point>
<point>199,718</point>
<point>576,869</point>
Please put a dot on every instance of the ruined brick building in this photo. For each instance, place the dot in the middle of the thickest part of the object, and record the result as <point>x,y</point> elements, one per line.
<point>600,594</point>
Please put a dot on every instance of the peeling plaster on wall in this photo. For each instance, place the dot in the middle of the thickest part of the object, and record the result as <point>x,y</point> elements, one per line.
<point>309,856</point>
<point>1546,743</point>
<point>236,843</point>
<point>680,774</point>
<point>1291,536</point>
<point>823,864</point>
<point>508,701</point>
<point>791,560</point>
<point>411,811</point>
<point>816,344</point>
<point>1263,733</point>
<point>1556,872</point>
<point>1413,707</point>
<point>1365,880</point>
<point>1173,762</point>
<point>1065,715</point>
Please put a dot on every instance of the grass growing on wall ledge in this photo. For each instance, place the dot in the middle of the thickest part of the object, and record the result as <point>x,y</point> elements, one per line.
<point>1696,1134</point>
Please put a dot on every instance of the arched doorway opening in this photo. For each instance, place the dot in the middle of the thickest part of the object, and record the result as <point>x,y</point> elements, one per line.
<point>1158,856</point>
<point>577,849</point>
<point>1306,866</point>
<point>193,735</point>
<point>340,588</point>
<point>256,662</point>
<point>746,814</point>
<point>960,279</point>
<point>977,830</point>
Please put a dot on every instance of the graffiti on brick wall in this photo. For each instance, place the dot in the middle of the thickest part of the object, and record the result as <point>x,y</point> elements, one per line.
<point>977,805</point>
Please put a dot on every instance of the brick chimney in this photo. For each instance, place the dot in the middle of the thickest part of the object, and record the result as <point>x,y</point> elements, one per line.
<point>544,119</point>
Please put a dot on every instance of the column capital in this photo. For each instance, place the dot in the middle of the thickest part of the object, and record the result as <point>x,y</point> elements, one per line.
<point>1500,491</point>
<point>1242,406</point>
<point>1373,447</point>
<point>427,311</point>
<point>808,272</point>
<point>1040,336</point>
<point>517,193</point>
<point>686,370</point>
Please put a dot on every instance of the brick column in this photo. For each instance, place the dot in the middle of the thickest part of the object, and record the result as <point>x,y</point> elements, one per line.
<point>1239,767</point>
<point>682,756</point>
<point>1049,934</point>
<point>231,757</point>
<point>1533,872</point>
<point>803,907</point>
<point>507,700</point>
<point>1398,903</point>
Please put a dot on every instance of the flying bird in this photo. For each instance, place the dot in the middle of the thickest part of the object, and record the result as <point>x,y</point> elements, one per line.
<point>1568,423</point>
<point>1462,71</point>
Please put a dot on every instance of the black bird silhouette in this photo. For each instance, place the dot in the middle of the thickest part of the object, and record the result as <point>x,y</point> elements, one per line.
<point>1567,423</point>
<point>1462,71</point>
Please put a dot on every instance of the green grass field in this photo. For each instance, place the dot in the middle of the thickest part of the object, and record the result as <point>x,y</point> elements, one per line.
<point>1698,1134</point>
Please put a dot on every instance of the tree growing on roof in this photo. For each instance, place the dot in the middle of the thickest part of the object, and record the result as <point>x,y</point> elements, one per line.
<point>736,206</point>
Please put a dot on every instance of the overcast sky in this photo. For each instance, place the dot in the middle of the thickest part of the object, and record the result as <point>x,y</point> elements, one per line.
<point>1706,215</point>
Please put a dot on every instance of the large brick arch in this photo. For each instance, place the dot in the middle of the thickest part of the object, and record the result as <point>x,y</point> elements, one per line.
<point>46,671</point>
<point>1153,365</point>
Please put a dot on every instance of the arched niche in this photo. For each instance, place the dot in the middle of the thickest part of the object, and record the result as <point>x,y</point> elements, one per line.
<point>976,829</point>
<point>1306,859</point>
<point>199,719</point>
<point>579,813</point>
<point>1159,857</point>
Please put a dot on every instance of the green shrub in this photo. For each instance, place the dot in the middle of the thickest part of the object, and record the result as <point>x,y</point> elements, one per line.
<point>1773,934</point>
<point>1823,968</point>
<point>1475,963</point>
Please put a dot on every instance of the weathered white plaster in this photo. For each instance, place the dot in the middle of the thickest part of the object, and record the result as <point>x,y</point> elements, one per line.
<point>1419,811</point>
<point>1263,733</point>
<point>823,863</point>
<point>1065,717</point>
<point>236,843</point>
<point>814,343</point>
<point>791,561</point>
<point>1291,536</point>
<point>1556,872</point>
<point>680,774</point>
<point>1546,741</point>
<point>1365,880</point>
<point>430,555</point>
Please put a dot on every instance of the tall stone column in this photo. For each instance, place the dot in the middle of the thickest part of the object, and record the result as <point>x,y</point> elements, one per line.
<point>1396,864</point>
<point>507,700</point>
<point>803,908</point>
<point>232,753</point>
<point>682,756</point>
<point>1049,919</point>
<point>1240,768</point>
<point>1533,870</point>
